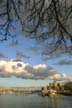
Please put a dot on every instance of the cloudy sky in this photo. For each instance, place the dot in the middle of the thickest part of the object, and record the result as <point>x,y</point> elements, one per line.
<point>22,64</point>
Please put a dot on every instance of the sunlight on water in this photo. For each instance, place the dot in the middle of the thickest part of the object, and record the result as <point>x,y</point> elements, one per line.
<point>34,101</point>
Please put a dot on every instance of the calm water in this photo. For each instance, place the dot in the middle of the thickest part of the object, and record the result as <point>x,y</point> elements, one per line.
<point>34,101</point>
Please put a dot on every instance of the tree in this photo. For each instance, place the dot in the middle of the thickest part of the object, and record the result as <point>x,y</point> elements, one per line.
<point>68,86</point>
<point>44,20</point>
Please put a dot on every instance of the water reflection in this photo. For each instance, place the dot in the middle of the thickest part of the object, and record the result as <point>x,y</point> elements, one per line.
<point>34,101</point>
<point>60,102</point>
<point>56,102</point>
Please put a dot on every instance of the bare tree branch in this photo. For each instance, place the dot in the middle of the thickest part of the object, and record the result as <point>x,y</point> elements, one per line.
<point>45,20</point>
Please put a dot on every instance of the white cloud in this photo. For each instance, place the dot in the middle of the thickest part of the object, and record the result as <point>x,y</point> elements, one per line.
<point>58,76</point>
<point>27,71</point>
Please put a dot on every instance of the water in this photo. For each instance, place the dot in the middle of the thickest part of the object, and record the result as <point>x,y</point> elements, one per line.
<point>34,101</point>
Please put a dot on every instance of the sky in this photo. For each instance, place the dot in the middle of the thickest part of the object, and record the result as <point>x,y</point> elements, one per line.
<point>22,64</point>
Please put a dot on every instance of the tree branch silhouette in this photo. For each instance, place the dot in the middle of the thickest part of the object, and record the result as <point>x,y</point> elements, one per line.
<point>44,20</point>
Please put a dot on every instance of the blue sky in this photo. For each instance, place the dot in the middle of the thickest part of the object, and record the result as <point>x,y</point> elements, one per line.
<point>31,52</point>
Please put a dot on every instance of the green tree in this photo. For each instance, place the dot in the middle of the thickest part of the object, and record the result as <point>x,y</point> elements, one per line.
<point>68,86</point>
